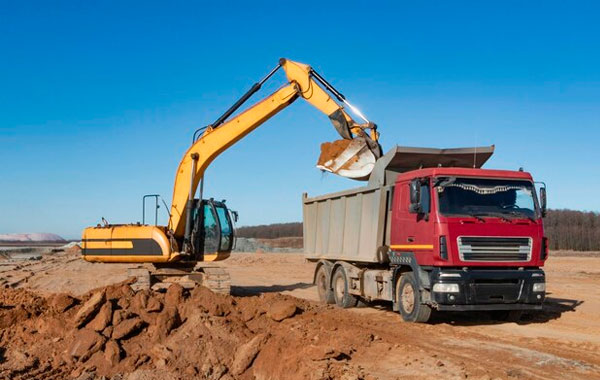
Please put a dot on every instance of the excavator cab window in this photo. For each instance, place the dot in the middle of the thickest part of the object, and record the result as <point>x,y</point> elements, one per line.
<point>226,228</point>
<point>216,232</point>
<point>210,229</point>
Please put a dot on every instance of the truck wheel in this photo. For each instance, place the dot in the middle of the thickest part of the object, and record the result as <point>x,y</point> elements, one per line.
<point>408,297</point>
<point>323,288</point>
<point>340,289</point>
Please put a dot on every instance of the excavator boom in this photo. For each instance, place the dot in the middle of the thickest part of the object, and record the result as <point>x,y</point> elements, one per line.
<point>363,150</point>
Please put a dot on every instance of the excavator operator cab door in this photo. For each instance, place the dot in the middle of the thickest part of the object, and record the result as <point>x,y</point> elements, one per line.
<point>215,229</point>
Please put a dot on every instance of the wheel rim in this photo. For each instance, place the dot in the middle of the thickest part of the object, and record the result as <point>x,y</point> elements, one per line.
<point>339,288</point>
<point>408,298</point>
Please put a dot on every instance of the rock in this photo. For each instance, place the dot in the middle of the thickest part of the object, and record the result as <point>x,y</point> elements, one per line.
<point>118,316</point>
<point>281,310</point>
<point>21,361</point>
<point>124,303</point>
<point>86,343</point>
<point>248,314</point>
<point>246,353</point>
<point>61,302</point>
<point>112,352</point>
<point>165,323</point>
<point>153,305</point>
<point>174,295</point>
<point>127,328</point>
<point>139,302</point>
<point>162,352</point>
<point>108,331</point>
<point>103,318</point>
<point>89,309</point>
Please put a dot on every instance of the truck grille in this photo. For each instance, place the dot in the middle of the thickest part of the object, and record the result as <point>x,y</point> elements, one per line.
<point>480,248</point>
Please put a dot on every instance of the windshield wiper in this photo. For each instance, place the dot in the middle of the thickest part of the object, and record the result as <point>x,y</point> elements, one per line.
<point>492,214</point>
<point>519,214</point>
<point>478,217</point>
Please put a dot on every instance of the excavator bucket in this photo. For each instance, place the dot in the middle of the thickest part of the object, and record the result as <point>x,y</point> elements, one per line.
<point>349,158</point>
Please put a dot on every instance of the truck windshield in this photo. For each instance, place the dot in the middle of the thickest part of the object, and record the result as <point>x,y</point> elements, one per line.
<point>486,197</point>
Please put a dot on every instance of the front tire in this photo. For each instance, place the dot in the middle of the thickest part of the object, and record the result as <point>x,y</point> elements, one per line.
<point>408,297</point>
<point>323,288</point>
<point>340,289</point>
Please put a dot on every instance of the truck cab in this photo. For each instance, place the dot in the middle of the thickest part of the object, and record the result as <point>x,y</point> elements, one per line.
<point>475,238</point>
<point>431,230</point>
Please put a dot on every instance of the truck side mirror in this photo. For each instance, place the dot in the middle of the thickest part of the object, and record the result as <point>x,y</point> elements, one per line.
<point>543,201</point>
<point>415,197</point>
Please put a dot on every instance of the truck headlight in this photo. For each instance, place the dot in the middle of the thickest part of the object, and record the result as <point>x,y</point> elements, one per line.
<point>539,287</point>
<point>445,288</point>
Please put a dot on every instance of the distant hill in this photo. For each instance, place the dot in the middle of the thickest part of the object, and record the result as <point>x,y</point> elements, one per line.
<point>271,231</point>
<point>31,237</point>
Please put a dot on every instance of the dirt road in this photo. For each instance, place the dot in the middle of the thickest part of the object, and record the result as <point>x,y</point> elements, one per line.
<point>561,342</point>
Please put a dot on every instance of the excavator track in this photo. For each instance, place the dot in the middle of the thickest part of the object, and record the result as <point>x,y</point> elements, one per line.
<point>217,279</point>
<point>214,278</point>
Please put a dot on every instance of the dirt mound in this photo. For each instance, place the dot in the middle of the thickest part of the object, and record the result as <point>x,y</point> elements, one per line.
<point>116,332</point>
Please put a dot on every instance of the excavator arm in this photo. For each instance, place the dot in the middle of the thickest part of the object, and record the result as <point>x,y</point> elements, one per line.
<point>360,150</point>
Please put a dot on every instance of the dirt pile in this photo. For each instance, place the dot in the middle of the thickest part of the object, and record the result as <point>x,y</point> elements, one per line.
<point>116,332</point>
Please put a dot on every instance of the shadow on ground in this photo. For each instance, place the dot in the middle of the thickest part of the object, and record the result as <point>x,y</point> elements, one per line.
<point>256,290</point>
<point>554,308</point>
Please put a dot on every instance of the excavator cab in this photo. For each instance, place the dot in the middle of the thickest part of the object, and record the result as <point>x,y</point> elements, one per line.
<point>213,231</point>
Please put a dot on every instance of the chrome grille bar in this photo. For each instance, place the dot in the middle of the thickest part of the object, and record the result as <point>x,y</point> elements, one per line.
<point>494,249</point>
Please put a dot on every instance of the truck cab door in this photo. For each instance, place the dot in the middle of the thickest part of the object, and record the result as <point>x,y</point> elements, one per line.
<point>413,231</point>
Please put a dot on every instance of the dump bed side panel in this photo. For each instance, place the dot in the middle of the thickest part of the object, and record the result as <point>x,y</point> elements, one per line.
<point>349,225</point>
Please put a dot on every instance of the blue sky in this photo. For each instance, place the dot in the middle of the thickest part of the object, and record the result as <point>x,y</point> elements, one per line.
<point>98,100</point>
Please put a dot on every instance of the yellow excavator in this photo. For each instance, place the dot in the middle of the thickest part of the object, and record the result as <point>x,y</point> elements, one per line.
<point>200,231</point>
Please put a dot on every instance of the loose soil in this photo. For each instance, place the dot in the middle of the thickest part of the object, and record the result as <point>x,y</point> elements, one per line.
<point>61,317</point>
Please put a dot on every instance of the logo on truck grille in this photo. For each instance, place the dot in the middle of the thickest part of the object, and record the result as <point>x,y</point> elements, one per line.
<point>497,249</point>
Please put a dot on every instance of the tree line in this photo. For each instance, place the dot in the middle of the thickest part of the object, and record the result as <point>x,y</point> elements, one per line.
<point>573,230</point>
<point>565,229</point>
<point>271,231</point>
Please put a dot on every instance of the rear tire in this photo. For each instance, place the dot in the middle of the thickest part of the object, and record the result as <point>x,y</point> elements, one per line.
<point>340,289</point>
<point>408,297</point>
<point>322,281</point>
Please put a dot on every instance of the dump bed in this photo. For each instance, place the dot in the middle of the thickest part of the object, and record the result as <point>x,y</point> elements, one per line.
<point>349,225</point>
<point>354,225</point>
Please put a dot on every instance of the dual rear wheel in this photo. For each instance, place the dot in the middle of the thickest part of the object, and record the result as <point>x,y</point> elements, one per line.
<point>336,293</point>
<point>408,295</point>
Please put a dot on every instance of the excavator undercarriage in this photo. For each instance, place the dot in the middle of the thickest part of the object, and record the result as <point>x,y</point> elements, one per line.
<point>214,278</point>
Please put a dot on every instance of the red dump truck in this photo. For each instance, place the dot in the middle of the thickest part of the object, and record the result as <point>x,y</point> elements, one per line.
<point>431,231</point>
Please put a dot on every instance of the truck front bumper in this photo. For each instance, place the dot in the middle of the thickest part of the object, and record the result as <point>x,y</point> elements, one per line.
<point>487,289</point>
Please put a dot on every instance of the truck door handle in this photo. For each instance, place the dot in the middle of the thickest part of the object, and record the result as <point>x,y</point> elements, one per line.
<point>410,239</point>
